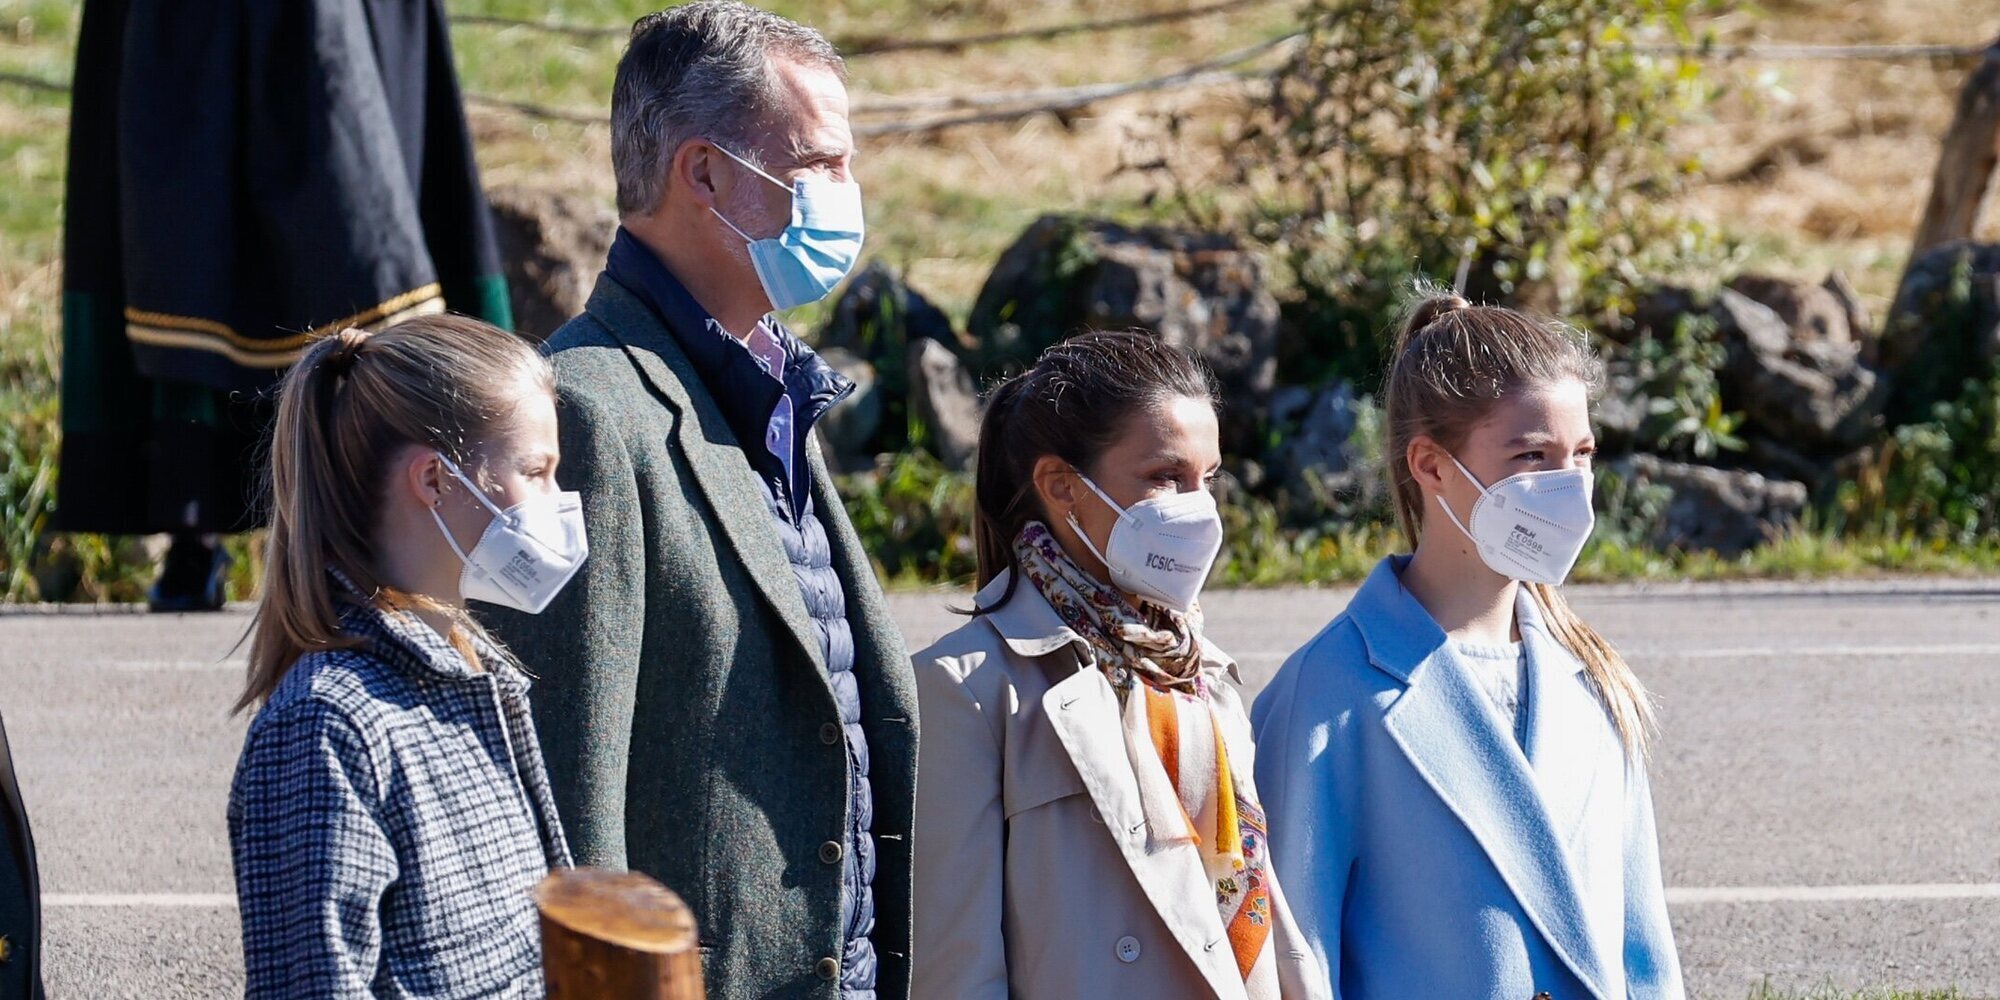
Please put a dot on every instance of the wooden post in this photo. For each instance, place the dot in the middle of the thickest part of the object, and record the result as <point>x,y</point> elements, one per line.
<point>1958,193</point>
<point>616,936</point>
<point>1965,167</point>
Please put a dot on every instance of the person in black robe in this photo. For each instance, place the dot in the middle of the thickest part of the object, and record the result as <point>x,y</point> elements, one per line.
<point>243,179</point>
<point>20,891</point>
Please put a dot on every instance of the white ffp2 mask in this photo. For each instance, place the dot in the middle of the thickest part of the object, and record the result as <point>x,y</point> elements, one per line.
<point>1161,548</point>
<point>528,552</point>
<point>1530,526</point>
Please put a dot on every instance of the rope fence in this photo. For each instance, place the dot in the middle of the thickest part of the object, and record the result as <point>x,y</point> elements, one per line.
<point>881,44</point>
<point>1006,106</point>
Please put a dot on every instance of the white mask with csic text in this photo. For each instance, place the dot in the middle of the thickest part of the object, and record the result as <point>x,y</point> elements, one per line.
<point>1161,548</point>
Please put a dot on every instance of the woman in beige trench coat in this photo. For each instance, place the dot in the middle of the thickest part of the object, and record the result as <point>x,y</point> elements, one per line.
<point>1087,824</point>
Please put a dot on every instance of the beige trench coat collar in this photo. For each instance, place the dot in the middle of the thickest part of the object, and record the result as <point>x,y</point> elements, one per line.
<point>1083,708</point>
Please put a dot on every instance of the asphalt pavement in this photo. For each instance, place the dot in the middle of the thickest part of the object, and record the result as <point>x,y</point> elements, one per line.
<point>1827,777</point>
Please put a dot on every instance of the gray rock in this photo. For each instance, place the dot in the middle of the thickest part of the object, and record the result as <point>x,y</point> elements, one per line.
<point>878,314</point>
<point>1757,325</point>
<point>943,400</point>
<point>1620,411</point>
<point>1814,393</point>
<point>1655,313</point>
<point>552,246</point>
<point>1813,313</point>
<point>1723,511</point>
<point>848,432</point>
<point>1199,291</point>
<point>1858,321</point>
<point>1314,427</point>
<point>1944,326</point>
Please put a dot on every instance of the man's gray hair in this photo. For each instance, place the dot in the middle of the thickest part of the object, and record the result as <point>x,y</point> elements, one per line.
<point>700,70</point>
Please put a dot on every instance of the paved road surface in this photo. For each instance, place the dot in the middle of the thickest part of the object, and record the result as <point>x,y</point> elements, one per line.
<point>1828,781</point>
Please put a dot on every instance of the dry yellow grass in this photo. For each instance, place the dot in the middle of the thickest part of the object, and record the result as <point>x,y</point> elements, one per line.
<point>1846,148</point>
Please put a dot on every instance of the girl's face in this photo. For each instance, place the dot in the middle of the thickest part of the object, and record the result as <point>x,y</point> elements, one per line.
<point>1535,430</point>
<point>517,462</point>
<point>1171,448</point>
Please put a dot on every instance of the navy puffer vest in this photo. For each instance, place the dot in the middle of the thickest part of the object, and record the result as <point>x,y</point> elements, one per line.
<point>811,555</point>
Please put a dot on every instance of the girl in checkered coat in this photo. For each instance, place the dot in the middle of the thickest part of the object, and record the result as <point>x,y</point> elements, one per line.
<point>391,813</point>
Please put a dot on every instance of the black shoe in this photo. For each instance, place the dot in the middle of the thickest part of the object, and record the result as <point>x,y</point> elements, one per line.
<point>192,577</point>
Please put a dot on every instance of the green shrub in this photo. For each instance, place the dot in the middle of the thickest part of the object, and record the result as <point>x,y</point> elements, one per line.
<point>1675,378</point>
<point>1516,147</point>
<point>914,517</point>
<point>1938,479</point>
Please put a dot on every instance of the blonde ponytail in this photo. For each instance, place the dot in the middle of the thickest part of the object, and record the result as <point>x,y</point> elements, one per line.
<point>1625,699</point>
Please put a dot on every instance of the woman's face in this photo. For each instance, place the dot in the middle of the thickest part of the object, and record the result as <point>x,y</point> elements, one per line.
<point>1169,448</point>
<point>1535,430</point>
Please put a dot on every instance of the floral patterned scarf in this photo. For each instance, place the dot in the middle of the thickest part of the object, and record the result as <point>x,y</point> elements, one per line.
<point>1190,791</point>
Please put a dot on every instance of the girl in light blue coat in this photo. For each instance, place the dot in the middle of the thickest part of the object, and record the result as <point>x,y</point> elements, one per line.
<point>1455,767</point>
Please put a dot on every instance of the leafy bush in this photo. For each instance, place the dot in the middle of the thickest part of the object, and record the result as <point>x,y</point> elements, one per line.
<point>1517,146</point>
<point>1939,479</point>
<point>1674,378</point>
<point>914,517</point>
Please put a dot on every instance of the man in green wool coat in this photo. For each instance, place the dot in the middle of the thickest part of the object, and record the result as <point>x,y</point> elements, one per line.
<point>20,893</point>
<point>724,700</point>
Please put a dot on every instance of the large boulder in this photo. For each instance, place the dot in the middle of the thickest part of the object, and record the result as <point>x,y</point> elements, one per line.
<point>1723,511</point>
<point>1944,326</point>
<point>552,246</point>
<point>943,402</point>
<point>849,432</point>
<point>1813,313</point>
<point>1199,291</point>
<point>873,323</point>
<point>878,313</point>
<point>1621,410</point>
<point>1656,312</point>
<point>1859,322</point>
<point>1311,459</point>
<point>1815,394</point>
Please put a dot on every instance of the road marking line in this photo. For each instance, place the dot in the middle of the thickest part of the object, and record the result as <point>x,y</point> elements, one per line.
<point>1688,896</point>
<point>148,900</point>
<point>1757,652</point>
<point>1816,652</point>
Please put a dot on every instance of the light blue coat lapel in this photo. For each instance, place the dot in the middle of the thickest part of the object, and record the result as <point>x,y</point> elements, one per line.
<point>721,470</point>
<point>1443,725</point>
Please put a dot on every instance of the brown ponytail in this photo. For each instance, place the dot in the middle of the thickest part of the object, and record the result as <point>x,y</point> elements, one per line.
<point>344,411</point>
<point>1073,404</point>
<point>1453,362</point>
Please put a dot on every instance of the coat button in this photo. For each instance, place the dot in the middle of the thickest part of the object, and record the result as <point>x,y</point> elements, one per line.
<point>1128,949</point>
<point>829,852</point>
<point>828,968</point>
<point>829,734</point>
<point>6,950</point>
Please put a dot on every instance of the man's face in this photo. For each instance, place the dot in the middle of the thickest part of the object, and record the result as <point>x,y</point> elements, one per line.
<point>805,134</point>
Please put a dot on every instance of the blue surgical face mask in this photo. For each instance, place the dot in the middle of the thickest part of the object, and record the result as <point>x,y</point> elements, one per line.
<point>819,248</point>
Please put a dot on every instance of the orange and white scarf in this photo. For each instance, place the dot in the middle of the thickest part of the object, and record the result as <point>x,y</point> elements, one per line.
<point>1180,752</point>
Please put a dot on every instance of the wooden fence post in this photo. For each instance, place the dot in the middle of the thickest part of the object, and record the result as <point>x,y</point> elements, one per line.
<point>1959,188</point>
<point>1965,166</point>
<point>616,936</point>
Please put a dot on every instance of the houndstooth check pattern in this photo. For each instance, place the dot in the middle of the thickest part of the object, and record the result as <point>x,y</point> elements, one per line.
<point>389,819</point>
